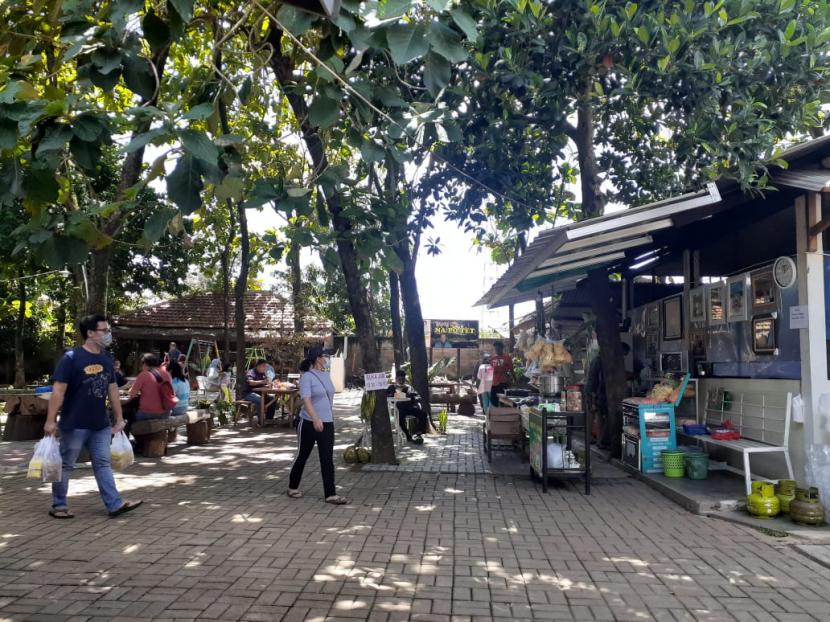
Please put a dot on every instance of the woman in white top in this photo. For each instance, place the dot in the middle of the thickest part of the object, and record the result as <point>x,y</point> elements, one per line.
<point>485,382</point>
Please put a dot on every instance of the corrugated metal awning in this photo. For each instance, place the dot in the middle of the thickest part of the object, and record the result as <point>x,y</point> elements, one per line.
<point>814,180</point>
<point>560,257</point>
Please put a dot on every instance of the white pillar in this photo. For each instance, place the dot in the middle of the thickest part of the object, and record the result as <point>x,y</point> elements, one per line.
<point>814,381</point>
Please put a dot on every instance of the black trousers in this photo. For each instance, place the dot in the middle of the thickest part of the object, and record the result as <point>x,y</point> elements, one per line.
<point>307,436</point>
<point>497,388</point>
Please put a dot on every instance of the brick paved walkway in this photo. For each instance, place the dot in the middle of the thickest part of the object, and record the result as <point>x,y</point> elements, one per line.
<point>218,540</point>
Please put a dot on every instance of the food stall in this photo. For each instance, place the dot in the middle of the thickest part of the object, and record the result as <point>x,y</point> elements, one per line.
<point>749,321</point>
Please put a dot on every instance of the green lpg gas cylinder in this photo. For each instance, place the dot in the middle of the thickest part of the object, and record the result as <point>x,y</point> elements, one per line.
<point>785,491</point>
<point>762,502</point>
<point>806,508</point>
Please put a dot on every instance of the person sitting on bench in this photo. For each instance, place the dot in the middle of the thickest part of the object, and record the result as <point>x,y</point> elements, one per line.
<point>408,406</point>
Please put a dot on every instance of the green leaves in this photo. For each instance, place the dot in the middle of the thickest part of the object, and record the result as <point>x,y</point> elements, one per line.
<point>446,42</point>
<point>393,8</point>
<point>156,224</point>
<point>371,152</point>
<point>156,31</point>
<point>407,42</point>
<point>59,251</point>
<point>437,73</point>
<point>184,184</point>
<point>264,191</point>
<point>201,111</point>
<point>40,185</point>
<point>323,112</point>
<point>294,19</point>
<point>142,140</point>
<point>139,76</point>
<point>184,8</point>
<point>466,23</point>
<point>198,145</point>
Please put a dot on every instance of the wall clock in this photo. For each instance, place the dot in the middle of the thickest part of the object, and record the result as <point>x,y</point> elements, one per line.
<point>784,272</point>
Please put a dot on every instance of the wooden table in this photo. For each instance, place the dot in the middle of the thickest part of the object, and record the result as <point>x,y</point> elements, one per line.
<point>26,415</point>
<point>271,395</point>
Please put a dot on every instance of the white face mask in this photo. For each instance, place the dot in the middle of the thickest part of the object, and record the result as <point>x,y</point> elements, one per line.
<point>106,340</point>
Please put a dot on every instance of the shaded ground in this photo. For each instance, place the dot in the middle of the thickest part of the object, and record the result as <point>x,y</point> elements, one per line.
<point>218,539</point>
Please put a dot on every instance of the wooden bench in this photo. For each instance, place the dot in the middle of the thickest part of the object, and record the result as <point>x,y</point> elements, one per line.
<point>152,435</point>
<point>762,419</point>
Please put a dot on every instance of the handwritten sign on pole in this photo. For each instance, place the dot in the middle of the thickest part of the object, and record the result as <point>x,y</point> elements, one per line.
<point>375,382</point>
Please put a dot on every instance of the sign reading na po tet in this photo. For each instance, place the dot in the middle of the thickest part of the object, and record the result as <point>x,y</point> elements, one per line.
<point>451,334</point>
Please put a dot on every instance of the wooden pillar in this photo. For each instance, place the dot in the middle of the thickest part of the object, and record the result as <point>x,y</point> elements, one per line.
<point>810,267</point>
<point>540,314</point>
<point>511,327</point>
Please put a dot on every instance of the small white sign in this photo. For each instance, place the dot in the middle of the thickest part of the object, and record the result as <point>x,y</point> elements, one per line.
<point>798,317</point>
<point>375,382</point>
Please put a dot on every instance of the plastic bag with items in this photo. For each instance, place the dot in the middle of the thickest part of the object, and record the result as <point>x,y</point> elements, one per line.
<point>46,463</point>
<point>121,452</point>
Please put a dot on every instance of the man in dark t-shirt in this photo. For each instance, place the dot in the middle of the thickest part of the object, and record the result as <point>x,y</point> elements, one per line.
<point>256,378</point>
<point>83,380</point>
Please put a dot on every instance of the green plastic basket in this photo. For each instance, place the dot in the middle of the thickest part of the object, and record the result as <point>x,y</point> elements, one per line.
<point>697,465</point>
<point>673,462</point>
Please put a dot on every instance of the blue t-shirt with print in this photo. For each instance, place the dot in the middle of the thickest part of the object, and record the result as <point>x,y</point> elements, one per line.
<point>87,377</point>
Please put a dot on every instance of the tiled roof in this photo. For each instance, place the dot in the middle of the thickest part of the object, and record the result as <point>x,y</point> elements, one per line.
<point>266,312</point>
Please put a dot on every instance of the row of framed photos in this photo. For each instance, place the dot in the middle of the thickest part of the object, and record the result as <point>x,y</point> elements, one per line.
<point>730,301</point>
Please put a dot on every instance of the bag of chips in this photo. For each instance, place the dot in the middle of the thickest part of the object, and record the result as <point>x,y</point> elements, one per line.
<point>121,452</point>
<point>46,463</point>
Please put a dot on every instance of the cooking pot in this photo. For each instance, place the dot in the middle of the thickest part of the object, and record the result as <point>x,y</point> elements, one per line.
<point>550,384</point>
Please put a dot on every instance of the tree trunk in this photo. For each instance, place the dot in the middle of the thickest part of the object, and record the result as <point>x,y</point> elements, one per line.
<point>593,201</point>
<point>63,303</point>
<point>611,356</point>
<point>225,262</point>
<point>297,301</point>
<point>395,312</point>
<point>19,359</point>
<point>239,297</point>
<point>100,259</point>
<point>383,449</point>
<point>608,332</point>
<point>414,320</point>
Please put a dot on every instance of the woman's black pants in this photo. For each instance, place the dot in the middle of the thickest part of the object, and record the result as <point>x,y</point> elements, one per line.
<point>306,437</point>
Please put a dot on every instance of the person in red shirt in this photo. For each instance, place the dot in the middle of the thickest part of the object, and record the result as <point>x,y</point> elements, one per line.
<point>502,365</point>
<point>148,386</point>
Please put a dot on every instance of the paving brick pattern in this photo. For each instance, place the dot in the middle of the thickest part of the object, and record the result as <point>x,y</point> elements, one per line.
<point>217,539</point>
<point>460,450</point>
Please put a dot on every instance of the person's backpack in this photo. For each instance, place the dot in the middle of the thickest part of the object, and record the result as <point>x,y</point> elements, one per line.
<point>168,396</point>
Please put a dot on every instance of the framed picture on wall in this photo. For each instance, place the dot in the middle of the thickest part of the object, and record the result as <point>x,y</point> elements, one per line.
<point>737,305</point>
<point>764,292</point>
<point>673,318</point>
<point>716,303</point>
<point>763,334</point>
<point>697,305</point>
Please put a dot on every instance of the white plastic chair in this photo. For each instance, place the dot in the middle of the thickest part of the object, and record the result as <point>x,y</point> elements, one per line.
<point>398,436</point>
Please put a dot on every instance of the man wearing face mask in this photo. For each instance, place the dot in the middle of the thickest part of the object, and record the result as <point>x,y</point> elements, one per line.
<point>83,380</point>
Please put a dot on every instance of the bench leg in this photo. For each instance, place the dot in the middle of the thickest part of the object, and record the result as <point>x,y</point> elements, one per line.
<point>747,474</point>
<point>789,463</point>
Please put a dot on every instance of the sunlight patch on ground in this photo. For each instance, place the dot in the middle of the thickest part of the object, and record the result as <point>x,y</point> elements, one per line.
<point>454,491</point>
<point>132,548</point>
<point>245,518</point>
<point>425,508</point>
<point>627,560</point>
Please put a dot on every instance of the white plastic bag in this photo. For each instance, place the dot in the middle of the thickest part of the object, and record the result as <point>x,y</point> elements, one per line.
<point>46,463</point>
<point>121,452</point>
<point>556,456</point>
<point>798,409</point>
